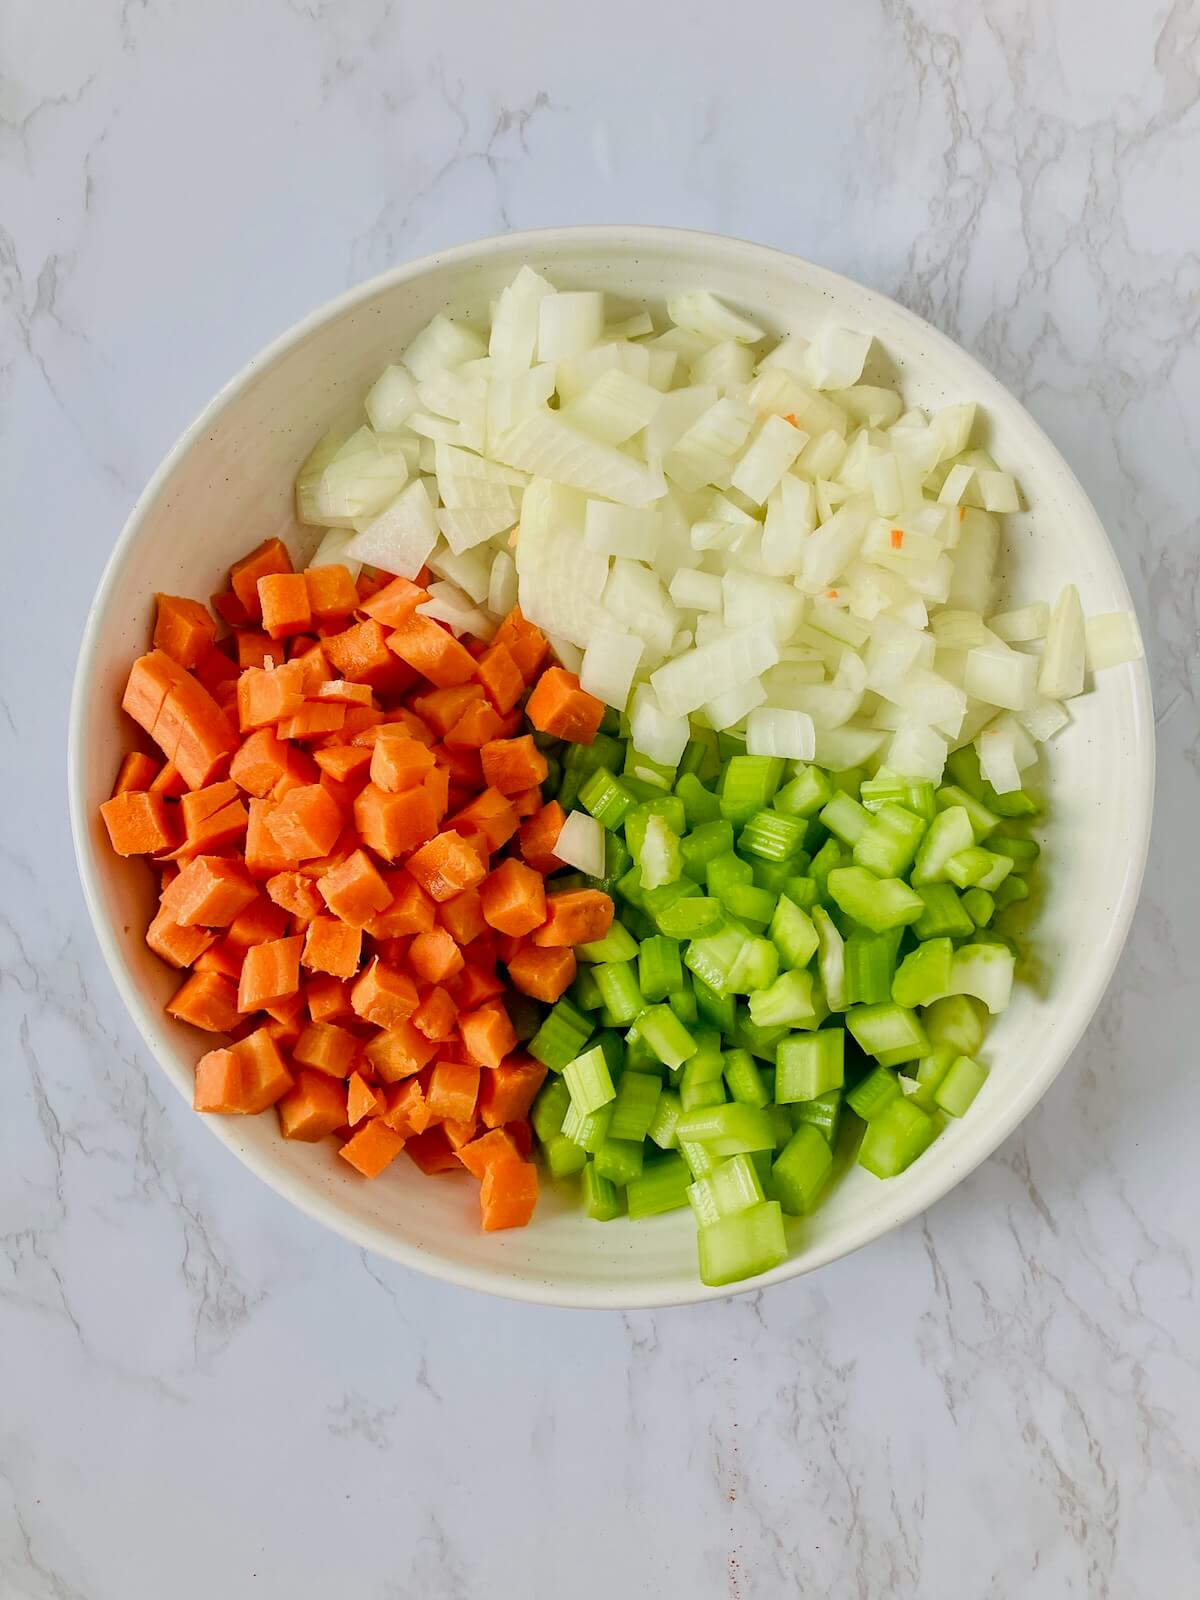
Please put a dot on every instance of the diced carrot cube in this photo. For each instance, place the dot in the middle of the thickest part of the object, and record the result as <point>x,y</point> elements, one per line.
<point>384,996</point>
<point>328,998</point>
<point>331,946</point>
<point>488,1150</point>
<point>432,651</point>
<point>269,695</point>
<point>363,1099</point>
<point>260,921</point>
<point>393,824</point>
<point>394,603</point>
<point>360,653</point>
<point>478,725</point>
<point>205,1000</point>
<point>446,866</point>
<point>441,708</point>
<point>405,1109</point>
<point>270,556</point>
<point>138,823</point>
<point>264,858</point>
<point>434,956</point>
<point>508,1195</point>
<point>477,984</point>
<point>487,1034</point>
<point>344,763</point>
<point>341,691</point>
<point>326,1048</point>
<point>306,822</point>
<point>271,972</point>
<point>453,1090</point>
<point>399,762</point>
<point>297,771</point>
<point>221,957</point>
<point>183,629</point>
<point>220,1083</point>
<point>169,782</point>
<point>266,1077</point>
<point>313,1108</point>
<point>542,974</point>
<point>259,762</point>
<point>151,679</point>
<point>462,767</point>
<point>137,771</point>
<point>526,643</point>
<point>177,946</point>
<point>460,1133</point>
<point>436,1015</point>
<point>462,916</point>
<point>540,834</point>
<point>210,891</point>
<point>230,609</point>
<point>398,1052</point>
<point>410,909</point>
<point>513,898</point>
<point>507,1092</point>
<point>314,720</point>
<point>559,706</point>
<point>491,814</point>
<point>372,1147</point>
<point>331,592</point>
<point>433,1152</point>
<point>354,891</point>
<point>501,677</point>
<point>578,917</point>
<point>256,649</point>
<point>295,894</point>
<point>513,765</point>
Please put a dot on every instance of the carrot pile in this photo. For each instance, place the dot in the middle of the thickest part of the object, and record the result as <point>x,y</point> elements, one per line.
<point>346,816</point>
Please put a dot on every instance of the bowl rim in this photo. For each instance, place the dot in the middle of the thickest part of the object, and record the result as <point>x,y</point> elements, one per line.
<point>500,1279</point>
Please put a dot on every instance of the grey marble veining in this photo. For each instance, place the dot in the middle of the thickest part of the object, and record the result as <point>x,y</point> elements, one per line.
<point>201,1393</point>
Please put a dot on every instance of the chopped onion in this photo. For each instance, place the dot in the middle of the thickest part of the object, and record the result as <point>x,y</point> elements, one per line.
<point>1065,652</point>
<point>730,708</point>
<point>609,664</point>
<point>1112,639</point>
<point>767,457</point>
<point>331,552</point>
<point>502,584</point>
<point>1024,624</point>
<point>701,312</point>
<point>612,530</point>
<point>569,323</point>
<point>401,538</point>
<point>774,731</point>
<point>391,400</point>
<point>1002,677</point>
<point>580,844</point>
<point>700,675</point>
<point>655,734</point>
<point>441,346</point>
<point>696,591</point>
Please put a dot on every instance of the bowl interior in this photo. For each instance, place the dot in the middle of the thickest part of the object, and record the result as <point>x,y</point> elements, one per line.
<point>228,484</point>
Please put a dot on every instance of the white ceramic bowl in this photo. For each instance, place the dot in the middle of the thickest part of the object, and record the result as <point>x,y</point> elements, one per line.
<point>228,483</point>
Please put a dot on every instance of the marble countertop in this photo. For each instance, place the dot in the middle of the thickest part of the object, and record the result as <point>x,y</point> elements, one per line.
<point>201,1393</point>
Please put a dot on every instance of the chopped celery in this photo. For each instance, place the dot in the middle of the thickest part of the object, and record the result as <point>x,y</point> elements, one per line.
<point>1022,852</point>
<point>810,1065</point>
<point>762,1040</point>
<point>738,1247</point>
<point>961,1084</point>
<point>602,1200</point>
<point>983,821</point>
<point>827,858</point>
<point>772,836</point>
<point>657,855</point>
<point>925,974</point>
<point>700,805</point>
<point>732,1186</point>
<point>806,794</point>
<point>715,1008</point>
<point>744,1078</point>
<point>955,1021</point>
<point>985,971</point>
<point>649,771</point>
<point>792,933</point>
<point>660,971</point>
<point>708,842</point>
<point>755,966</point>
<point>870,1095</point>
<point>980,906</point>
<point>665,1119</point>
<point>1016,803</point>
<point>877,903</point>
<point>944,913</point>
<point>723,871</point>
<point>727,1130</point>
<point>549,1109</point>
<point>618,944</point>
<point>787,1003</point>
<point>712,958</point>
<point>563,1156</point>
<point>589,1080</point>
<point>888,844</point>
<point>620,1160</point>
<point>587,1129</point>
<point>750,904</point>
<point>801,1170</point>
<point>802,892</point>
<point>663,1186</point>
<point>870,965</point>
<point>963,766</point>
<point>913,794</point>
<point>585,991</point>
<point>895,1138</point>
<point>699,1158</point>
<point>701,755</point>
<point>823,1111</point>
<point>682,1002</point>
<point>692,1096</point>
<point>633,1109</point>
<point>1009,892</point>
<point>748,784</point>
<point>846,818</point>
<point>561,1036</point>
<point>949,832</point>
<point>890,1033</point>
<point>606,798</point>
<point>619,990</point>
<point>831,959</point>
<point>602,752</point>
<point>666,1035</point>
<point>971,865</point>
<point>931,1069</point>
<point>691,916</point>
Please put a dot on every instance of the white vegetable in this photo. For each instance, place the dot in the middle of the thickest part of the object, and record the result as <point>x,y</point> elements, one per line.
<point>791,517</point>
<point>836,357</point>
<point>569,323</point>
<point>998,491</point>
<point>502,584</point>
<point>730,708</point>
<point>1002,677</point>
<point>660,853</point>
<point>464,529</point>
<point>449,604</point>
<point>702,313</point>
<point>580,844</point>
<point>441,346</point>
<point>391,399</point>
<point>609,664</point>
<point>614,408</point>
<point>612,530</point>
<point>696,591</point>
<point>545,445</point>
<point>1112,639</point>
<point>775,731</point>
<point>998,759</point>
<point>514,333</point>
<point>767,602</point>
<point>985,971</point>
<point>470,570</point>
<point>845,747</point>
<point>831,547</point>
<point>401,538</point>
<point>1065,651</point>
<point>655,733</point>
<point>331,552</point>
<point>767,457</point>
<point>917,751</point>
<point>686,683</point>
<point>974,563</point>
<point>1043,719</point>
<point>635,598</point>
<point>561,580</point>
<point>1020,626</point>
<point>727,365</point>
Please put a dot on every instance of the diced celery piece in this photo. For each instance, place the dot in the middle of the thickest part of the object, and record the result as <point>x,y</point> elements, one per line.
<point>616,864</point>
<point>691,916</point>
<point>727,1129</point>
<point>666,1116</point>
<point>602,752</point>
<point>980,906</point>
<point>1010,891</point>
<point>620,1160</point>
<point>828,857</point>
<point>948,834</point>
<point>723,871</point>
<point>694,1095</point>
<point>682,1002</point>
<point>656,853</point>
<point>732,1186</point>
<point>1022,852</point>
<point>663,1186</point>
<point>998,871</point>
<point>660,971</point>
<point>887,846</point>
<point>913,794</point>
<point>701,755</point>
<point>872,1094</point>
<point>983,821</point>
<point>699,1158</point>
<point>606,798</point>
<point>831,959</point>
<point>611,1044</point>
<point>845,818</point>
<point>633,1109</point>
<point>619,989</point>
<point>756,966</point>
<point>792,933</point>
<point>890,1033</point>
<point>925,974</point>
<point>549,1109</point>
<point>985,971</point>
<point>707,1063</point>
<point>666,1035</point>
<point>963,766</point>
<point>750,904</point>
<point>944,914</point>
<point>589,1080</point>
<point>760,1039</point>
<point>712,958</point>
<point>772,836</point>
<point>895,1138</point>
<point>870,965</point>
<point>640,789</point>
<point>810,1065</point>
<point>801,1170</point>
<point>563,1156</point>
<point>561,1036</point>
<point>656,901</point>
<point>931,1069</point>
<point>587,1129</point>
<point>787,1003</point>
<point>744,1078</point>
<point>708,842</point>
<point>715,1009</point>
<point>700,805</point>
<point>824,1112</point>
<point>748,784</point>
<point>618,944</point>
<point>649,771</point>
<point>741,1246</point>
<point>806,794</point>
<point>585,991</point>
<point>1016,803</point>
<point>956,1022</point>
<point>960,1085</point>
<point>602,1200</point>
<point>876,903</point>
<point>968,866</point>
<point>802,892</point>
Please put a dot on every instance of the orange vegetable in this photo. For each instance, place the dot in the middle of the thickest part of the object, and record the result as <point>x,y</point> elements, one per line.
<point>313,720</point>
<point>219,1082</point>
<point>221,957</point>
<point>410,909</point>
<point>360,653</point>
<point>257,650</point>
<point>436,1015</point>
<point>487,1151</point>
<point>344,763</point>
<point>183,629</point>
<point>434,956</point>
<point>259,763</point>
<point>542,974</point>
<point>446,866</point>
<point>328,998</point>
<point>395,602</point>
<point>404,1107</point>
<point>268,695</point>
<point>306,822</point>
<point>526,643</point>
<point>138,823</point>
<point>270,556</point>
<point>178,947</point>
<point>331,592</point>
<point>326,1048</point>
<point>559,706</point>
<point>393,824</point>
<point>260,921</point>
<point>341,691</point>
<point>363,1099</point>
<point>491,814</point>
<point>487,1034</point>
<point>452,1091</point>
<point>384,996</point>
<point>508,1195</point>
<point>540,834</point>
<point>399,761</point>
<point>210,891</point>
<point>206,1000</point>
<point>507,1092</point>
<point>372,1148</point>
<point>513,765</point>
<point>354,891</point>
<point>513,898</point>
<point>313,1108</point>
<point>169,782</point>
<point>433,1152</point>
<point>478,724</point>
<point>527,803</point>
<point>295,894</point>
<point>270,972</point>
<point>578,917</point>
<point>331,946</point>
<point>462,917</point>
<point>137,771</point>
<point>398,1052</point>
<point>501,677</point>
<point>434,652</point>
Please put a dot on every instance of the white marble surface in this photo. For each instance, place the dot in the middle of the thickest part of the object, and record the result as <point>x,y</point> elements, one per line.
<point>202,1394</point>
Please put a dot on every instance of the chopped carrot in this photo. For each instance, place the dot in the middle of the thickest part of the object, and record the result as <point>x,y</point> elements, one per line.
<point>264,858</point>
<point>259,762</point>
<point>487,1034</point>
<point>314,1107</point>
<point>477,984</point>
<point>393,824</point>
<point>508,1195</point>
<point>436,1015</point>
<point>513,898</point>
<point>221,957</point>
<point>453,1090</point>
<point>266,1076</point>
<point>210,891</point>
<point>206,1000</point>
<point>441,708</point>
<point>151,679</point>
<point>230,609</point>
<point>177,946</point>
<point>360,653</point>
<point>527,802</point>
<point>521,1135</point>
<point>363,1099</point>
<point>384,995</point>
<point>542,974</point>
<point>404,1107</point>
<point>513,765</point>
<point>372,1148</point>
<point>539,834</point>
<point>328,998</point>
<point>559,706</point>
<point>488,1150</point>
<point>462,766</point>
<point>219,1083</point>
<point>399,762</point>
<point>526,643</point>
<point>432,650</point>
<point>462,916</point>
<point>138,823</point>
<point>501,677</point>
<point>507,1092</point>
<point>297,895</point>
<point>398,1052</point>
<point>326,1048</point>
<point>459,1133</point>
<point>344,763</point>
<point>491,814</point>
<point>478,725</point>
<point>313,720</point>
<point>169,782</point>
<point>331,592</point>
<point>137,771</point>
<point>410,909</point>
<point>298,769</point>
<point>433,1152</point>
<point>578,917</point>
<point>183,629</point>
<point>446,866</point>
<point>256,650</point>
<point>305,823</point>
<point>354,891</point>
<point>434,956</point>
<point>394,603</point>
<point>271,972</point>
<point>269,695</point>
<point>260,921</point>
<point>331,946</point>
<point>270,556</point>
<point>342,691</point>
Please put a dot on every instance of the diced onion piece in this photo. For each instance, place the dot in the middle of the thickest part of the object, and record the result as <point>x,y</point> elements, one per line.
<point>917,751</point>
<point>447,603</point>
<point>728,709</point>
<point>464,529</point>
<point>441,346</point>
<point>1002,677</point>
<point>391,399</point>
<point>952,426</point>
<point>612,530</point>
<point>791,517</point>
<point>570,655</point>
<point>544,445</point>
<point>615,407</point>
<point>831,547</point>
<point>848,746</point>
<point>609,664</point>
<point>959,630</point>
<point>502,584</point>
<point>401,538</point>
<point>998,490</point>
<point>1024,624</point>
<point>1112,639</point>
<point>769,602</point>
<point>561,580</point>
<point>836,357</point>
<point>957,489</point>
<point>869,406</point>
<point>515,395</point>
<point>974,563</point>
<point>569,323</point>
<point>997,758</point>
<point>701,312</point>
<point>636,598</point>
<point>633,327</point>
<point>1043,719</point>
<point>686,683</point>
<point>696,591</point>
<point>580,844</point>
<point>470,570</point>
<point>655,734</point>
<point>775,731</point>
<point>1065,651</point>
<point>331,552</point>
<point>514,335</point>
<point>767,457</point>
